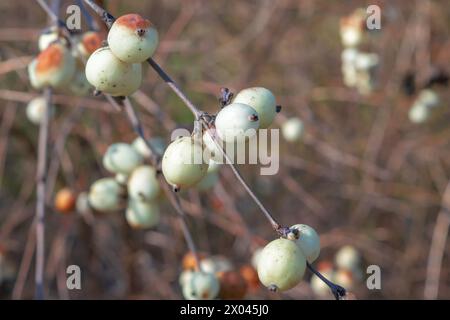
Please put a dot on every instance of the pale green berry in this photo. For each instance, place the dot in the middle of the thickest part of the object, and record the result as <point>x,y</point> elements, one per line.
<point>112,76</point>
<point>142,215</point>
<point>121,158</point>
<point>132,38</point>
<point>158,144</point>
<point>183,165</point>
<point>236,121</point>
<point>418,113</point>
<point>281,265</point>
<point>143,184</point>
<point>429,98</point>
<point>82,204</point>
<point>201,286</point>
<point>292,129</point>
<point>348,258</point>
<point>216,264</point>
<point>349,56</point>
<point>366,61</point>
<point>53,67</point>
<point>36,110</point>
<point>105,195</point>
<point>262,100</point>
<point>308,240</point>
<point>185,277</point>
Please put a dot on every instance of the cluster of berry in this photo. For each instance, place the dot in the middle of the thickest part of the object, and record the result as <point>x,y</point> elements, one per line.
<point>358,68</point>
<point>218,278</point>
<point>60,65</point>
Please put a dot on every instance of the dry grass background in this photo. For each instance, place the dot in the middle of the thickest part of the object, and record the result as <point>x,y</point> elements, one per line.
<point>362,175</point>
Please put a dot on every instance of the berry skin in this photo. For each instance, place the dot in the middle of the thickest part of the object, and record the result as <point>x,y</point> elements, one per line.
<point>132,38</point>
<point>65,200</point>
<point>182,164</point>
<point>54,66</point>
<point>292,129</point>
<point>143,184</point>
<point>121,158</point>
<point>111,75</point>
<point>348,258</point>
<point>232,285</point>
<point>105,195</point>
<point>201,286</point>
<point>308,241</point>
<point>82,204</point>
<point>262,100</point>
<point>89,42</point>
<point>236,121</point>
<point>36,109</point>
<point>142,215</point>
<point>141,147</point>
<point>255,257</point>
<point>281,265</point>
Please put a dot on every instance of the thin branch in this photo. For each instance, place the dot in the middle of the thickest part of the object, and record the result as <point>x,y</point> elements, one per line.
<point>40,204</point>
<point>338,291</point>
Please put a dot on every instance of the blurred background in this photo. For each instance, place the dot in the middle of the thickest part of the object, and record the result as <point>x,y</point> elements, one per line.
<point>367,172</point>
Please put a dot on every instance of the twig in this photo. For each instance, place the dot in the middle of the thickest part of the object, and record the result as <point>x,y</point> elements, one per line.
<point>40,205</point>
<point>337,290</point>
<point>437,248</point>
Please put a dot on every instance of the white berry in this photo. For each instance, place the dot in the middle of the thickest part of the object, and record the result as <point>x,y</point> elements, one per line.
<point>281,265</point>
<point>142,215</point>
<point>158,144</point>
<point>105,195</point>
<point>54,67</point>
<point>183,164</point>
<point>308,241</point>
<point>132,38</point>
<point>201,286</point>
<point>36,110</point>
<point>82,204</point>
<point>46,38</point>
<point>236,121</point>
<point>292,129</point>
<point>143,184</point>
<point>110,75</point>
<point>121,158</point>
<point>418,113</point>
<point>347,258</point>
<point>262,100</point>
